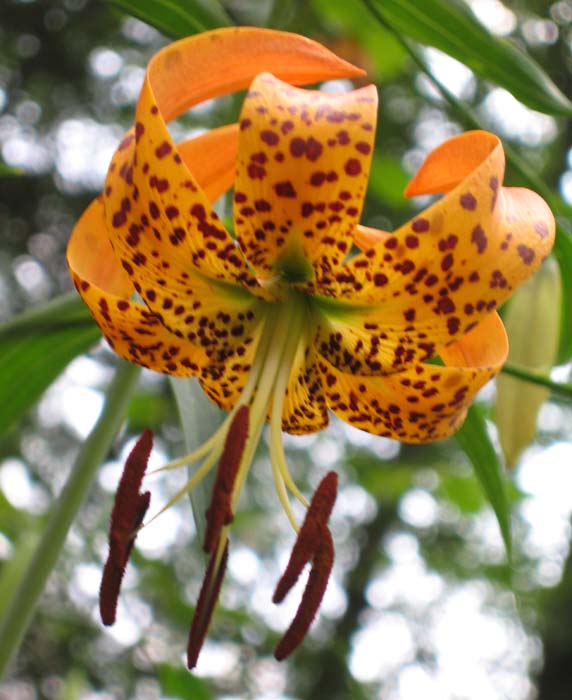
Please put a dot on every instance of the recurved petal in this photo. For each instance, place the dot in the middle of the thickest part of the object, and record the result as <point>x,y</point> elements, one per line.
<point>150,190</point>
<point>132,330</point>
<point>303,165</point>
<point>214,172</point>
<point>205,309</point>
<point>440,274</point>
<point>424,402</point>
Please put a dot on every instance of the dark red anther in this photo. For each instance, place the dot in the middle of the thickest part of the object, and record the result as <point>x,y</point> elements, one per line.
<point>311,599</point>
<point>314,543</point>
<point>129,509</point>
<point>205,605</point>
<point>310,534</point>
<point>220,512</point>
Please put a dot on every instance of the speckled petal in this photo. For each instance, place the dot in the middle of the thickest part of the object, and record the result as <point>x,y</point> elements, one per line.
<point>95,268</point>
<point>424,402</point>
<point>305,409</point>
<point>223,380</point>
<point>149,189</point>
<point>132,330</point>
<point>204,309</point>
<point>438,275</point>
<point>304,160</point>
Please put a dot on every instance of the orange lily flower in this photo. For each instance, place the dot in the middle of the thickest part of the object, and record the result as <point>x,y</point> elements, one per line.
<point>280,323</point>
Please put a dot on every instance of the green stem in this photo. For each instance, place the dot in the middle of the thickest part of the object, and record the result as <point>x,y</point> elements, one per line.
<point>94,450</point>
<point>527,375</point>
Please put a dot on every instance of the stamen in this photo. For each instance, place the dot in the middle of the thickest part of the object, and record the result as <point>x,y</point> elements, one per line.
<point>310,534</point>
<point>314,543</point>
<point>205,604</point>
<point>129,509</point>
<point>311,599</point>
<point>220,512</point>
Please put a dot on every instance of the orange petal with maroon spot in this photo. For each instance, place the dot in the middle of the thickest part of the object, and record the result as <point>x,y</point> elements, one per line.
<point>424,402</point>
<point>304,409</point>
<point>106,287</point>
<point>223,380</point>
<point>304,159</point>
<point>150,187</point>
<point>214,313</point>
<point>132,330</point>
<point>441,273</point>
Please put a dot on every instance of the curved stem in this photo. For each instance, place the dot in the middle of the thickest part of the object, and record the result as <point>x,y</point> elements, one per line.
<point>527,375</point>
<point>19,612</point>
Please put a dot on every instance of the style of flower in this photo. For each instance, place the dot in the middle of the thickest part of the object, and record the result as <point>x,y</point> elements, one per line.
<point>283,322</point>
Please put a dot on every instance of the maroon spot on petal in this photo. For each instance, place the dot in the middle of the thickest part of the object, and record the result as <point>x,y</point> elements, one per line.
<point>379,279</point>
<point>287,126</point>
<point>262,205</point>
<point>420,225</point>
<point>313,149</point>
<point>269,137</point>
<point>318,178</point>
<point>526,254</point>
<point>494,185</point>
<point>468,201</point>
<point>541,229</point>
<point>244,124</point>
<point>447,262</point>
<point>352,167</point>
<point>198,211</point>
<point>256,172</point>
<point>363,147</point>
<point>411,241</point>
<point>285,189</point>
<point>446,305</point>
<point>307,209</point>
<point>163,150</point>
<point>479,238</point>
<point>297,147</point>
<point>453,324</point>
<point>119,219</point>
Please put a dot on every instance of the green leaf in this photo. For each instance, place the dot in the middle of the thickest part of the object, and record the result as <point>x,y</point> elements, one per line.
<point>199,419</point>
<point>8,171</point>
<point>177,18</point>
<point>180,684</point>
<point>35,348</point>
<point>351,21</point>
<point>388,179</point>
<point>474,439</point>
<point>450,26</point>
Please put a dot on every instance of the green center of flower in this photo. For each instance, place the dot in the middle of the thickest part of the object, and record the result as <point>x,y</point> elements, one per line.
<point>281,339</point>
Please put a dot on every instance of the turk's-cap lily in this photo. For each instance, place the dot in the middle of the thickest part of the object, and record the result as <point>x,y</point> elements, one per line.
<point>285,321</point>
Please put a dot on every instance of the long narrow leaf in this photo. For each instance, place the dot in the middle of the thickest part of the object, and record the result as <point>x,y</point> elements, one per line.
<point>35,348</point>
<point>177,18</point>
<point>199,418</point>
<point>474,439</point>
<point>450,26</point>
